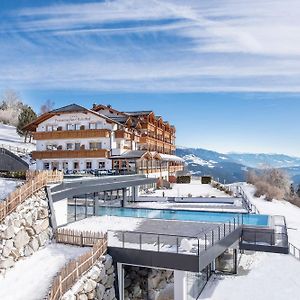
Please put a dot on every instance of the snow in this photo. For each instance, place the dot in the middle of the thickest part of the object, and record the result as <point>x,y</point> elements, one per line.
<point>193,159</point>
<point>9,137</point>
<point>276,207</point>
<point>194,188</point>
<point>31,278</point>
<point>7,186</point>
<point>261,275</point>
<point>105,223</point>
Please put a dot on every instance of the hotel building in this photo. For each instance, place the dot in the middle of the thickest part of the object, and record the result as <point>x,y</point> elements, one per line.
<point>74,138</point>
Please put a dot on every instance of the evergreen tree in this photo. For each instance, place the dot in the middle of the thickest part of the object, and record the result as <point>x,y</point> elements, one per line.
<point>298,190</point>
<point>26,116</point>
<point>292,190</point>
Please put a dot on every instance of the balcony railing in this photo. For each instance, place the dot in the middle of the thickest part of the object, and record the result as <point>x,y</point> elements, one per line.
<point>84,153</point>
<point>71,134</point>
<point>122,134</point>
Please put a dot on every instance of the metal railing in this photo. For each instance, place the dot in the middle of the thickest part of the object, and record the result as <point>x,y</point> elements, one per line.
<point>246,201</point>
<point>273,236</point>
<point>294,251</point>
<point>183,244</point>
<point>15,149</point>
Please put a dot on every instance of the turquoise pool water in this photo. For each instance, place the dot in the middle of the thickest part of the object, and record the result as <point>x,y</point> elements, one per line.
<point>184,215</point>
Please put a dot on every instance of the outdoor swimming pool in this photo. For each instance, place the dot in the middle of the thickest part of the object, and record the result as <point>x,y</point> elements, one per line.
<point>184,215</point>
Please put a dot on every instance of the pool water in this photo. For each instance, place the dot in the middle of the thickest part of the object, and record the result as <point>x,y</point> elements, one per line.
<point>184,215</point>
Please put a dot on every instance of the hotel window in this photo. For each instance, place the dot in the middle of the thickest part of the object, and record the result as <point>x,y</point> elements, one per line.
<point>69,146</point>
<point>88,165</point>
<point>82,127</point>
<point>59,128</point>
<point>95,145</point>
<point>99,125</point>
<point>46,166</point>
<point>77,146</point>
<point>101,165</point>
<point>69,127</point>
<point>92,125</point>
<point>49,128</point>
<point>76,165</point>
<point>77,126</point>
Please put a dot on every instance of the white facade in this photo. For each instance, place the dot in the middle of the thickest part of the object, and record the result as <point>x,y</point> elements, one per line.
<point>79,121</point>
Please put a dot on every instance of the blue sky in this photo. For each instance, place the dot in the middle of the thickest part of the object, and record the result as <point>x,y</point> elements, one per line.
<point>226,73</point>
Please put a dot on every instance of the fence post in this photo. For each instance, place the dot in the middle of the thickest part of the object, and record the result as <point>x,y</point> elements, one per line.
<point>81,239</point>
<point>60,287</point>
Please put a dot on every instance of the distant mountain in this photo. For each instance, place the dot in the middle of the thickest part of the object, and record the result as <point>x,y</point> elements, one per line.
<point>261,160</point>
<point>233,167</point>
<point>220,166</point>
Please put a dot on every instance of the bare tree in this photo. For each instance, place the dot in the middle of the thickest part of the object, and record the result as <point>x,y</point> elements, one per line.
<point>10,107</point>
<point>47,106</point>
<point>270,182</point>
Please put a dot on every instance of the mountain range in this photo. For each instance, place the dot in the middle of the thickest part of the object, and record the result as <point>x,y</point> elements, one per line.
<point>233,167</point>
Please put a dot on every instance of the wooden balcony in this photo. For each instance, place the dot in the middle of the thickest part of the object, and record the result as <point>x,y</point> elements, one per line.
<point>122,134</point>
<point>84,153</point>
<point>71,134</point>
<point>149,126</point>
<point>173,169</point>
<point>147,140</point>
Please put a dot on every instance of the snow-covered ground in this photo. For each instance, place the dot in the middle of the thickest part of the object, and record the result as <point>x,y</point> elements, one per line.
<point>276,207</point>
<point>105,223</point>
<point>195,188</point>
<point>31,278</point>
<point>7,186</point>
<point>263,276</point>
<point>9,137</point>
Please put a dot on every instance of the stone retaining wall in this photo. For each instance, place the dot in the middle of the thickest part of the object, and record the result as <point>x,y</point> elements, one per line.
<point>24,231</point>
<point>146,283</point>
<point>98,283</point>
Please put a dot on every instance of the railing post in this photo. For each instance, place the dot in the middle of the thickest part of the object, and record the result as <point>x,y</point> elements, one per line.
<point>229,226</point>
<point>205,241</point>
<point>234,223</point>
<point>212,237</point>
<point>219,233</point>
<point>140,241</point>
<point>177,244</point>
<point>224,227</point>
<point>123,242</point>
<point>158,243</point>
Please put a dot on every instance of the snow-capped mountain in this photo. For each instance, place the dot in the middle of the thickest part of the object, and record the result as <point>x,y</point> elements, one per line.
<point>233,167</point>
<point>260,160</point>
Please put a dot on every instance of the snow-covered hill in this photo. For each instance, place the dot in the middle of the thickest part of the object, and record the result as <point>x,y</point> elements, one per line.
<point>10,140</point>
<point>233,167</point>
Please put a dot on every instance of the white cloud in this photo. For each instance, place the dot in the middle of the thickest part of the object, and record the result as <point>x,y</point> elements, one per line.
<point>152,45</point>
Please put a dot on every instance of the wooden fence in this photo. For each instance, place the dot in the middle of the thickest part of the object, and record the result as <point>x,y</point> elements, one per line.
<point>74,269</point>
<point>34,182</point>
<point>78,238</point>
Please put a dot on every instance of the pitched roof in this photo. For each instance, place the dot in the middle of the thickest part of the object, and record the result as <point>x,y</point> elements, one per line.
<point>130,154</point>
<point>69,108</point>
<point>138,113</point>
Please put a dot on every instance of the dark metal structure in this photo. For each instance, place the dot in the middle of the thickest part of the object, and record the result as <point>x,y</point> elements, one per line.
<point>11,162</point>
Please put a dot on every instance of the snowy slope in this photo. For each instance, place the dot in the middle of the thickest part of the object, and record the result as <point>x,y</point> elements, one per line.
<point>9,137</point>
<point>31,278</point>
<point>7,186</point>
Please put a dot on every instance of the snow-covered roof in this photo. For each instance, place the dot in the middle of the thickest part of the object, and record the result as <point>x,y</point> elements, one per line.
<point>169,157</point>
